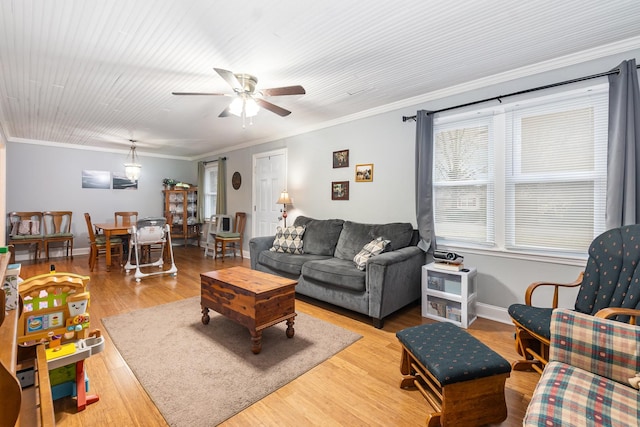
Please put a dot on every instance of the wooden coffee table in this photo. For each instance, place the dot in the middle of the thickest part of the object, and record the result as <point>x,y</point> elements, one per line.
<point>251,298</point>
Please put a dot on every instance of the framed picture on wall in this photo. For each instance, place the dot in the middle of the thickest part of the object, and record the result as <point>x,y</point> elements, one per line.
<point>364,172</point>
<point>96,179</point>
<point>341,159</point>
<point>121,182</point>
<point>340,190</point>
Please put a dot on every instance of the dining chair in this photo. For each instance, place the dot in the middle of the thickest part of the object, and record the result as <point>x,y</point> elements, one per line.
<point>125,218</point>
<point>98,244</point>
<point>57,228</point>
<point>232,240</point>
<point>26,229</point>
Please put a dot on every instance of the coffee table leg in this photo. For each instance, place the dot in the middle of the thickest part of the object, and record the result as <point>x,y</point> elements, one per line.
<point>205,316</point>
<point>256,341</point>
<point>290,330</point>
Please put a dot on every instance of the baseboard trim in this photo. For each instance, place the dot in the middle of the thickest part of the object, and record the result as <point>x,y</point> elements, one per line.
<point>493,312</point>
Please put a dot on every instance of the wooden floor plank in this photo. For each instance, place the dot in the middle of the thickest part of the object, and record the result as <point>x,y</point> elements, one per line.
<point>358,386</point>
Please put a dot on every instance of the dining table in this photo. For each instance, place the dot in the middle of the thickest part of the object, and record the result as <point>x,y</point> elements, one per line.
<point>111,229</point>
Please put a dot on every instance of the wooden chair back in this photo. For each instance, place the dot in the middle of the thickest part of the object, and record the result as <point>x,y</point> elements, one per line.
<point>25,228</point>
<point>98,247</point>
<point>57,228</point>
<point>126,218</point>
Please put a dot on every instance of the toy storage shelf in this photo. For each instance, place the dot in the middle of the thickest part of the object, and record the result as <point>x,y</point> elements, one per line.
<point>449,296</point>
<point>35,403</point>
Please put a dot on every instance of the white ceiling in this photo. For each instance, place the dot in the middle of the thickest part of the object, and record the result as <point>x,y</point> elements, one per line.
<point>98,73</point>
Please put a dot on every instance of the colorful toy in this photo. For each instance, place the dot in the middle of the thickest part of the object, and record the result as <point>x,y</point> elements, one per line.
<point>55,311</point>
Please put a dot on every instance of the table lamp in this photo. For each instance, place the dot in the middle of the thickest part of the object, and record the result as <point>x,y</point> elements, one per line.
<point>284,200</point>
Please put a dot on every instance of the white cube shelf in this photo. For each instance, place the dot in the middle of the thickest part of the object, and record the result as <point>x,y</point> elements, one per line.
<point>449,296</point>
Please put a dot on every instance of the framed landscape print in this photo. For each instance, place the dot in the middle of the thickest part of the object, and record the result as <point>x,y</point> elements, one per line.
<point>341,159</point>
<point>340,190</point>
<point>364,172</point>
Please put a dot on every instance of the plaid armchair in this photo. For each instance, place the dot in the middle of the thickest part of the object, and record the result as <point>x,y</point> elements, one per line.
<point>586,382</point>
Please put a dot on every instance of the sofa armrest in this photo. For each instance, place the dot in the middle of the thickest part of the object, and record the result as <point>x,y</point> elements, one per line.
<point>601,346</point>
<point>257,245</point>
<point>393,280</point>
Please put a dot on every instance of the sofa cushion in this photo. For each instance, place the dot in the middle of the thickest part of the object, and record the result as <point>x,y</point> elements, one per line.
<point>374,247</point>
<point>321,235</point>
<point>355,235</point>
<point>285,262</point>
<point>288,240</point>
<point>335,272</point>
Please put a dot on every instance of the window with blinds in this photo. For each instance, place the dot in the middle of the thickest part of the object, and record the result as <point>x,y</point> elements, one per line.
<point>210,189</point>
<point>528,176</point>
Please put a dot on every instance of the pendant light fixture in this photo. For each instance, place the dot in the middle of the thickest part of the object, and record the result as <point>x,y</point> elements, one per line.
<point>132,168</point>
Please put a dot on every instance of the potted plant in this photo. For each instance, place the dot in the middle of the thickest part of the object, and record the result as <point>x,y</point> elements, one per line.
<point>169,183</point>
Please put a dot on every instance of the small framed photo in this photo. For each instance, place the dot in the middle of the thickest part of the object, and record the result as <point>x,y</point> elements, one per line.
<point>341,159</point>
<point>364,172</point>
<point>340,190</point>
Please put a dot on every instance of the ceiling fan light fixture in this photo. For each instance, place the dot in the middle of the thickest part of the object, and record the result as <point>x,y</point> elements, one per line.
<point>251,107</point>
<point>244,104</point>
<point>236,106</point>
<point>132,168</point>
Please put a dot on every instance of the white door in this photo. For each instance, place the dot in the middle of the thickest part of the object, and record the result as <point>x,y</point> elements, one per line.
<point>269,179</point>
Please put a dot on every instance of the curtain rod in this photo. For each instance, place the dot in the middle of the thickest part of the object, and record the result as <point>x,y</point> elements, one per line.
<point>499,97</point>
<point>212,161</point>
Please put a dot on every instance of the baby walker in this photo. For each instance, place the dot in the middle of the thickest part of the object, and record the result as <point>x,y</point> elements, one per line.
<point>147,232</point>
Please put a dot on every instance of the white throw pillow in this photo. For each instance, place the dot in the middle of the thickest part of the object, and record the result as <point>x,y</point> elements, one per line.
<point>288,240</point>
<point>374,247</point>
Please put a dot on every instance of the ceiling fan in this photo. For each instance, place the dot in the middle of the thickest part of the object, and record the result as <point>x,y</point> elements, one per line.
<point>247,100</point>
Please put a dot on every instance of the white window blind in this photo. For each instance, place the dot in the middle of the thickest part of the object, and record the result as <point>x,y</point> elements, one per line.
<point>556,173</point>
<point>463,181</point>
<point>210,189</point>
<point>526,176</point>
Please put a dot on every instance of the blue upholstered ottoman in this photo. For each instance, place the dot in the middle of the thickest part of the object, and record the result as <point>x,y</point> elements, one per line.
<point>459,376</point>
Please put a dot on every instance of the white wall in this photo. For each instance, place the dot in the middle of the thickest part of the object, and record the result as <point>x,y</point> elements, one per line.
<point>42,178</point>
<point>388,143</point>
<point>49,178</point>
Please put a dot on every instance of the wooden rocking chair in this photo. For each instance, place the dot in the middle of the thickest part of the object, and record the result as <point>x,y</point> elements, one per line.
<point>609,288</point>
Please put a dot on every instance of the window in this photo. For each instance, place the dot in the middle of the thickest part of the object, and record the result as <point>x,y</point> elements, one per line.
<point>210,189</point>
<point>528,176</point>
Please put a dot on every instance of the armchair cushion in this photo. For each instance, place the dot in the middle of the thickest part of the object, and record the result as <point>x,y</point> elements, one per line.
<point>535,319</point>
<point>586,380</point>
<point>605,347</point>
<point>570,396</point>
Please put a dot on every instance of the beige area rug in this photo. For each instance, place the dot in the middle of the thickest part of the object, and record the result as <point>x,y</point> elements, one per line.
<point>200,375</point>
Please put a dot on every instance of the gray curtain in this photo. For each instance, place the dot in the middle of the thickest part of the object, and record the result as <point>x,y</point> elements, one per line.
<point>221,199</point>
<point>424,180</point>
<point>200,213</point>
<point>623,161</point>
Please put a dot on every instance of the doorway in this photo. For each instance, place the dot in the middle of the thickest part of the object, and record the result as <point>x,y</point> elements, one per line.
<point>269,179</point>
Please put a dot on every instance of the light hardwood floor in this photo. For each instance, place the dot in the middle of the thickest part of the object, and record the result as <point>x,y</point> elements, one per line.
<point>357,387</point>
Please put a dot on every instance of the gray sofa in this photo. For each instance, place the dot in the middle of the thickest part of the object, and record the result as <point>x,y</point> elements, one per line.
<point>326,270</point>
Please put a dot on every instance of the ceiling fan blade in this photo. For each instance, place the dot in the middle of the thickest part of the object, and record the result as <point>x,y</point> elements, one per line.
<point>225,113</point>
<point>199,93</point>
<point>230,78</point>
<point>287,90</point>
<point>272,107</point>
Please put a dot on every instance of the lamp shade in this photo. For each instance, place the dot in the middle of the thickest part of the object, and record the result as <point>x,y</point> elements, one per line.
<point>284,198</point>
<point>132,168</point>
